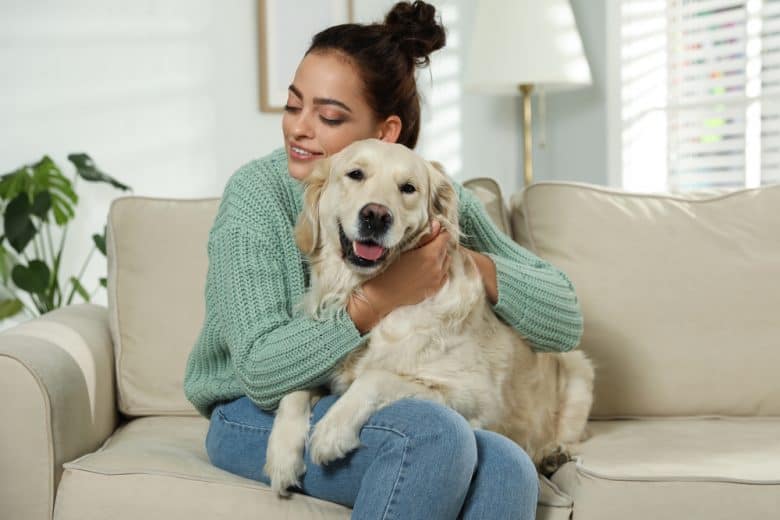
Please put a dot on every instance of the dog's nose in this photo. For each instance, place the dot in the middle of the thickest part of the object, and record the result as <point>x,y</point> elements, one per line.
<point>375,219</point>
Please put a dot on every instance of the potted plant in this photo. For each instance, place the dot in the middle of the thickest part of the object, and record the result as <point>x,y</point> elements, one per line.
<point>32,197</point>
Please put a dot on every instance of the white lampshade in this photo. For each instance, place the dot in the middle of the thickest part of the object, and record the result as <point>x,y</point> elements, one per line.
<point>525,42</point>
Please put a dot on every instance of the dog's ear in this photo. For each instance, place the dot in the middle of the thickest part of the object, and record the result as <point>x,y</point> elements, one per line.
<point>443,199</point>
<point>307,229</point>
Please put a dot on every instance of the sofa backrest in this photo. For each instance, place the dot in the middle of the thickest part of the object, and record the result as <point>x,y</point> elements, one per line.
<point>680,294</point>
<point>157,264</point>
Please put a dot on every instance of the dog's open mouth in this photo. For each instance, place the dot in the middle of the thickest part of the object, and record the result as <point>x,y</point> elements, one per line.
<point>362,253</point>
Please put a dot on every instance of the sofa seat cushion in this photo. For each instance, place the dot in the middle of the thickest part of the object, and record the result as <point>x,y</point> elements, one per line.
<point>718,468</point>
<point>157,467</point>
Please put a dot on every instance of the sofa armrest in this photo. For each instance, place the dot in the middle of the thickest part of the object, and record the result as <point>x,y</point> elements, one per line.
<point>57,402</point>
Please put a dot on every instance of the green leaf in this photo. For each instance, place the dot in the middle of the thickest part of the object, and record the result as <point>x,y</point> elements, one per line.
<point>10,308</point>
<point>62,213</point>
<point>100,242</point>
<point>19,228</point>
<point>87,170</point>
<point>80,289</point>
<point>47,177</point>
<point>41,204</point>
<point>11,184</point>
<point>33,278</point>
<point>104,282</point>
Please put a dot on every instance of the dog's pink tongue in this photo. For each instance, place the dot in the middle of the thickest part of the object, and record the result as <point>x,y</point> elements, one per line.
<point>369,252</point>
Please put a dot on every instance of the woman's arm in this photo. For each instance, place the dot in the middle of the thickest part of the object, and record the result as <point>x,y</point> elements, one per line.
<point>531,295</point>
<point>274,349</point>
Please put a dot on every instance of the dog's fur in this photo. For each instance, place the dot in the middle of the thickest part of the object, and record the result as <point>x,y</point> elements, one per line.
<point>450,348</point>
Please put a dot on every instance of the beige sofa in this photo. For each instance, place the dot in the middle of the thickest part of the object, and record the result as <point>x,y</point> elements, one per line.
<point>681,299</point>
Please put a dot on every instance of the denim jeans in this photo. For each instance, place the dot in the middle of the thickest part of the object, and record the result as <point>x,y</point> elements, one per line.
<point>417,459</point>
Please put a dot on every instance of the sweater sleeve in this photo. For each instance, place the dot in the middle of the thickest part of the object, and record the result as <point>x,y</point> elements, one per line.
<point>274,349</point>
<point>534,297</point>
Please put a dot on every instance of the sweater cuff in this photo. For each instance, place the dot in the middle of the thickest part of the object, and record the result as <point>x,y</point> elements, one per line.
<point>349,329</point>
<point>546,313</point>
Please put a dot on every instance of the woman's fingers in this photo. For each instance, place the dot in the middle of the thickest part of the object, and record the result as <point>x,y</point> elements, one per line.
<point>435,228</point>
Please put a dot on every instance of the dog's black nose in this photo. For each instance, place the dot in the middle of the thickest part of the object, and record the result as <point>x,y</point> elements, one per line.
<point>375,219</point>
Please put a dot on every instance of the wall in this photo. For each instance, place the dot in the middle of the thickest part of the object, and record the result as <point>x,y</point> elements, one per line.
<point>577,126</point>
<point>163,95</point>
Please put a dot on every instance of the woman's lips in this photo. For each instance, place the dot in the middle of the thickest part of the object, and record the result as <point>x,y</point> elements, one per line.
<point>301,154</point>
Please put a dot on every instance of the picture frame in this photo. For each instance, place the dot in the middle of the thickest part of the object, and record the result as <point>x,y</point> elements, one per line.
<point>285,30</point>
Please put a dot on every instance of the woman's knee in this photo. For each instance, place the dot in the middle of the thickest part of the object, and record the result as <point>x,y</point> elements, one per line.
<point>437,427</point>
<point>503,458</point>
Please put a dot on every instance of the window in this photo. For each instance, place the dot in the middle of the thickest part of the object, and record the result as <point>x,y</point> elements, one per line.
<point>700,93</point>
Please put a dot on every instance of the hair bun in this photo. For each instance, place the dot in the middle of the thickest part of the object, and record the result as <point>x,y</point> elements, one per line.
<point>415,28</point>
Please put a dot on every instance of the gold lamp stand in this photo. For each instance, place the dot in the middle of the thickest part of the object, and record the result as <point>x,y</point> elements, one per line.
<point>527,137</point>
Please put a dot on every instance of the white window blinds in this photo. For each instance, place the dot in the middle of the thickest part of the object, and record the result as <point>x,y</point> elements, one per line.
<point>700,90</point>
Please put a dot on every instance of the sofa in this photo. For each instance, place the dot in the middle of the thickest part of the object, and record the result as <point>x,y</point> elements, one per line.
<point>681,301</point>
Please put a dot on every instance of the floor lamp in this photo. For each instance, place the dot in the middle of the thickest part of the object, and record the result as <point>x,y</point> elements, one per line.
<point>525,46</point>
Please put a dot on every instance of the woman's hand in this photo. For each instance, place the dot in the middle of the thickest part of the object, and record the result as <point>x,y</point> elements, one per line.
<point>416,275</point>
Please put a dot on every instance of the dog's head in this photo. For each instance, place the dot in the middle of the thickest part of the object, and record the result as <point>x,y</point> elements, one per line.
<point>372,201</point>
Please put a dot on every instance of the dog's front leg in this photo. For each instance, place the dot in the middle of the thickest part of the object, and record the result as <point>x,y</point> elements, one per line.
<point>338,431</point>
<point>284,453</point>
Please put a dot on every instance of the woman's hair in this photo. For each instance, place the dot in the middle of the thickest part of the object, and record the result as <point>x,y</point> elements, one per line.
<point>386,55</point>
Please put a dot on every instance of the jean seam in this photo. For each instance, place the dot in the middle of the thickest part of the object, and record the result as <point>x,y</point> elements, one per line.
<point>388,511</point>
<point>241,425</point>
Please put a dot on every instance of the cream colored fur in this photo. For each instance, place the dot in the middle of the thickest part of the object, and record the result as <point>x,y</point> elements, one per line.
<point>450,348</point>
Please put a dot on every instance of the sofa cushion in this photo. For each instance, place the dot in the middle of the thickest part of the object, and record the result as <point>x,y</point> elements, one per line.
<point>157,264</point>
<point>488,192</point>
<point>679,294</point>
<point>676,468</point>
<point>157,467</point>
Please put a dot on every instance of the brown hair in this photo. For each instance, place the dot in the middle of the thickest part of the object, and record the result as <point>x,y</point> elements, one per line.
<point>386,55</point>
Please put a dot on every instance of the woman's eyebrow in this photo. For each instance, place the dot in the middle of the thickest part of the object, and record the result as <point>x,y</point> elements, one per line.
<point>319,101</point>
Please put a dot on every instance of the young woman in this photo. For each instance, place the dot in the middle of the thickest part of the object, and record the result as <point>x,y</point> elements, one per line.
<point>418,459</point>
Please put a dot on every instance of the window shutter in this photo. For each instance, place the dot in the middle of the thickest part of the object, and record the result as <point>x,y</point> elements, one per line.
<point>770,92</point>
<point>706,96</point>
<point>719,108</point>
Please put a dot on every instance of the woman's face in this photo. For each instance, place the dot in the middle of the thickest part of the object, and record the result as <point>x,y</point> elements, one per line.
<point>325,111</point>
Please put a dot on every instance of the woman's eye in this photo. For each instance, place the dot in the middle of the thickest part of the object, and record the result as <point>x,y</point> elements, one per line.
<point>355,175</point>
<point>331,122</point>
<point>407,188</point>
<point>289,108</point>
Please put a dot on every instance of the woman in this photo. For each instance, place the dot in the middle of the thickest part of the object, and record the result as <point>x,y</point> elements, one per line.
<point>417,459</point>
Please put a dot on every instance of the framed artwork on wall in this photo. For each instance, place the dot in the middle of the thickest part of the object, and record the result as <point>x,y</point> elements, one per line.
<point>285,30</point>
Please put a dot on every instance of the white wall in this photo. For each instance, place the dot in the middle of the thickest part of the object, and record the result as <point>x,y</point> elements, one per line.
<point>163,94</point>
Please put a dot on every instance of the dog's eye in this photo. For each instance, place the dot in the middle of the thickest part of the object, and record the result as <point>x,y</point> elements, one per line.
<point>407,188</point>
<point>355,175</point>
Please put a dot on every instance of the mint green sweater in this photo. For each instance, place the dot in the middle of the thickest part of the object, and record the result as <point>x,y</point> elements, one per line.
<point>253,342</point>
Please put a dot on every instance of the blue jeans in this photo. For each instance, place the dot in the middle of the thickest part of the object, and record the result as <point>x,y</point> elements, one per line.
<point>417,459</point>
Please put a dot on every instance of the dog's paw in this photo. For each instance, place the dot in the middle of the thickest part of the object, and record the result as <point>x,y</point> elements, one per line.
<point>331,441</point>
<point>285,472</point>
<point>553,460</point>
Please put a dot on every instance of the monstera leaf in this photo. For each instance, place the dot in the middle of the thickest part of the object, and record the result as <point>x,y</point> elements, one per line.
<point>34,278</point>
<point>45,186</point>
<point>10,308</point>
<point>18,226</point>
<point>88,171</point>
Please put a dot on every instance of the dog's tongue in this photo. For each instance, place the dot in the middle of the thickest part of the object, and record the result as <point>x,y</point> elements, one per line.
<point>368,251</point>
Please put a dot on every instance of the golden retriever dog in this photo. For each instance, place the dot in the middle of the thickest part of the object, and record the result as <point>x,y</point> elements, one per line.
<point>363,207</point>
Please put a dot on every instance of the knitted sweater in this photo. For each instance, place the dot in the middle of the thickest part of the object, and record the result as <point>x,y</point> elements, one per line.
<point>255,342</point>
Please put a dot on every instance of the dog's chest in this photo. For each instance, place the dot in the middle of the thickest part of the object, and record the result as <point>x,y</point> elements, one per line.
<point>437,342</point>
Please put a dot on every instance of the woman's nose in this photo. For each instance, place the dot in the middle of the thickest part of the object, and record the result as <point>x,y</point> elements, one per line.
<point>302,126</point>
